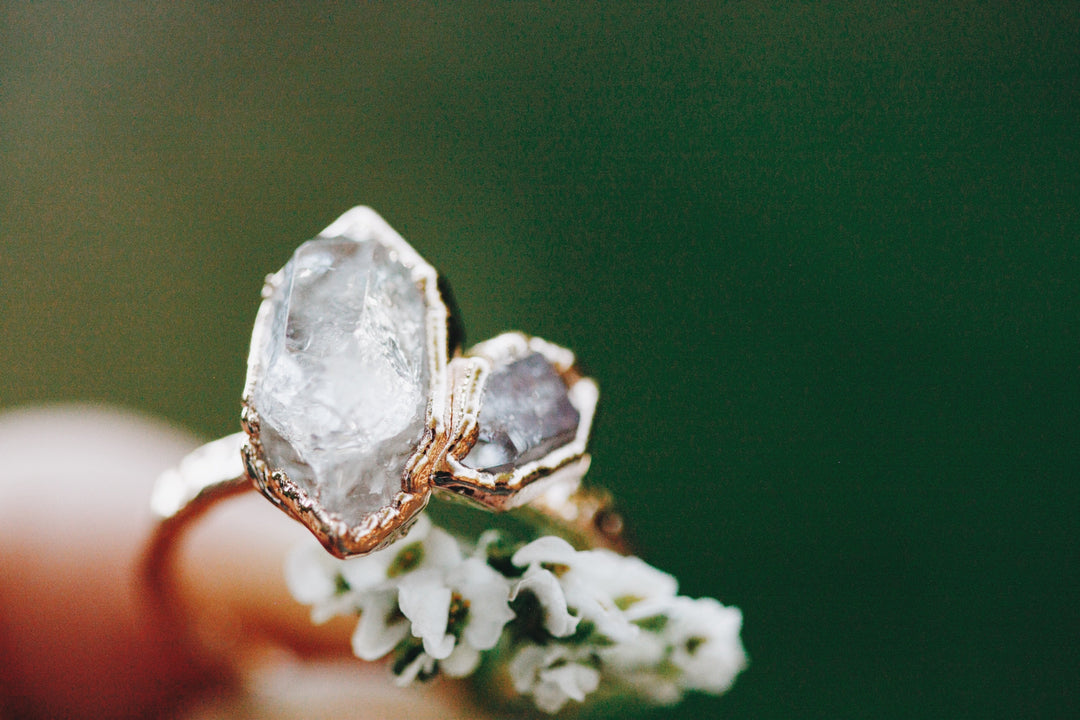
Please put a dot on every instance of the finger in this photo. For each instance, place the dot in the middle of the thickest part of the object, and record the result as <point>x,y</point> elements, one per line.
<point>230,575</point>
<point>73,640</point>
<point>77,639</point>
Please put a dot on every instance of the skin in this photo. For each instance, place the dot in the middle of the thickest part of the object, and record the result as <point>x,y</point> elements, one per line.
<point>78,638</point>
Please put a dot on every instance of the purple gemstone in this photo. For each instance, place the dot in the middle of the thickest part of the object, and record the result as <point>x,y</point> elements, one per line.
<point>524,414</point>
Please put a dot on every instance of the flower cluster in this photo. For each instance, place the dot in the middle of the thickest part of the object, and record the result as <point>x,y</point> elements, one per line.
<point>560,623</point>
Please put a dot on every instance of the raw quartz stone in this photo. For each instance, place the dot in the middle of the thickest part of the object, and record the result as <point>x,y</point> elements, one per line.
<point>343,395</point>
<point>525,413</point>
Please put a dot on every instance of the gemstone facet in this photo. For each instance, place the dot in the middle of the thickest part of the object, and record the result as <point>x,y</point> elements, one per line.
<point>343,393</point>
<point>525,413</point>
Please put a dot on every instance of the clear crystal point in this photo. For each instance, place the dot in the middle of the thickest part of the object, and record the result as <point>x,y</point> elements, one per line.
<point>343,391</point>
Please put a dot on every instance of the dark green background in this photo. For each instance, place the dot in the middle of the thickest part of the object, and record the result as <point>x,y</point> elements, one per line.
<point>822,259</point>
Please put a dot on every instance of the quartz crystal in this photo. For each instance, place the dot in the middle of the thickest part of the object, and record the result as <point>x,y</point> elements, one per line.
<point>525,413</point>
<point>343,391</point>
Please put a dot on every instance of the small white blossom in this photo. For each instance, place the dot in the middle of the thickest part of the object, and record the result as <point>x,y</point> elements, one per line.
<point>705,643</point>
<point>310,573</point>
<point>549,593</point>
<point>381,626</point>
<point>336,587</point>
<point>423,664</point>
<point>425,601</point>
<point>425,547</point>
<point>487,593</point>
<point>464,605</point>
<point>640,664</point>
<point>462,661</point>
<point>553,675</point>
<point>608,589</point>
<point>647,650</point>
<point>571,681</point>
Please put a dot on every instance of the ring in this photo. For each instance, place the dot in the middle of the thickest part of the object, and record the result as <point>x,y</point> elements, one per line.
<point>360,405</point>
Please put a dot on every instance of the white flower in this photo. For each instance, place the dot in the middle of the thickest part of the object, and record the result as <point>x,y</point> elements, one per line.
<point>312,576</point>
<point>456,612</point>
<point>640,663</point>
<point>381,626</point>
<point>425,547</point>
<point>425,601</point>
<point>336,587</point>
<point>704,636</point>
<point>571,681</point>
<point>409,587</point>
<point>552,675</point>
<point>549,593</point>
<point>487,593</point>
<point>423,664</point>
<point>647,650</point>
<point>603,587</point>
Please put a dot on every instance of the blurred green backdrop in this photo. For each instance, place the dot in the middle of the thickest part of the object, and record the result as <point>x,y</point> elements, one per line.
<point>823,260</point>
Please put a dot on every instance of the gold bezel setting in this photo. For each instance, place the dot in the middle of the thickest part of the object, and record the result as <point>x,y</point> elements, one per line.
<point>564,465</point>
<point>382,527</point>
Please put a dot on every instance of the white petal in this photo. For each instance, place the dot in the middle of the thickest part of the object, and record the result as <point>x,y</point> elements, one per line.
<point>439,647</point>
<point>476,572</point>
<point>364,573</point>
<point>374,635</point>
<point>549,549</point>
<point>718,655</point>
<point>310,573</point>
<point>461,662</point>
<point>419,530</point>
<point>345,604</point>
<point>646,651</point>
<point>488,594</point>
<point>601,611</point>
<point>485,627</point>
<point>425,600</point>
<point>441,550</point>
<point>486,540</point>
<point>423,662</point>
<point>526,664</point>
<point>575,680</point>
<point>549,697</point>
<point>624,577</point>
<point>549,593</point>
